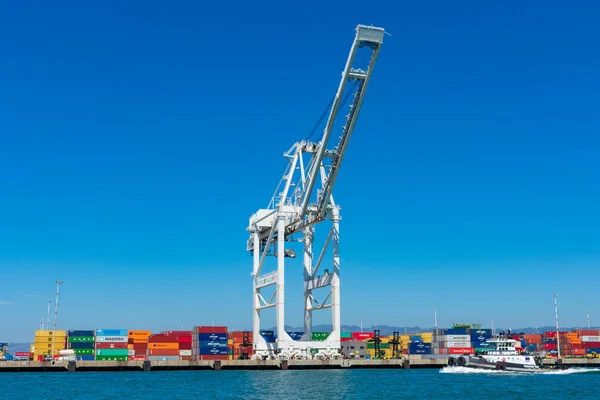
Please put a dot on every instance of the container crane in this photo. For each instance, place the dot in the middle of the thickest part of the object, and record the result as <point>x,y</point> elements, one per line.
<point>302,200</point>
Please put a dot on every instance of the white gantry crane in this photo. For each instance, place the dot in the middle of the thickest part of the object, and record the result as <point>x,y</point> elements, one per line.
<point>302,200</point>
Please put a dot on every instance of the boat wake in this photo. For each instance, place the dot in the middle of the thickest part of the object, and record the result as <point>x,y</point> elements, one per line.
<point>465,370</point>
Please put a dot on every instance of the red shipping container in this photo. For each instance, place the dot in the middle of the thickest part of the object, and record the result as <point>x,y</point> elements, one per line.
<point>213,357</point>
<point>346,339</point>
<point>163,352</point>
<point>590,345</point>
<point>161,339</point>
<point>139,346</point>
<point>176,333</point>
<point>461,350</point>
<point>549,334</point>
<point>362,336</point>
<point>550,346</point>
<point>574,345</point>
<point>184,339</point>
<point>40,358</point>
<point>22,354</point>
<point>577,352</point>
<point>137,358</point>
<point>588,332</point>
<point>210,329</point>
<point>185,345</point>
<point>103,345</point>
<point>186,358</point>
<point>141,352</point>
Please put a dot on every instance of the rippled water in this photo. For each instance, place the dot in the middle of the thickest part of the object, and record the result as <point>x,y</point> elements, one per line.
<point>451,383</point>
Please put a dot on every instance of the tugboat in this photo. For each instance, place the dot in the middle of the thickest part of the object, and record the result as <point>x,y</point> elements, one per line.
<point>501,355</point>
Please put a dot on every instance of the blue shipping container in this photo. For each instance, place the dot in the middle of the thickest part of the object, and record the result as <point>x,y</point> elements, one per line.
<point>267,333</point>
<point>86,358</point>
<point>270,339</point>
<point>82,345</point>
<point>220,351</point>
<point>112,332</point>
<point>419,351</point>
<point>415,338</point>
<point>211,344</point>
<point>210,337</point>
<point>295,335</point>
<point>455,331</point>
<point>81,333</point>
<point>593,350</point>
<point>415,346</point>
<point>486,332</point>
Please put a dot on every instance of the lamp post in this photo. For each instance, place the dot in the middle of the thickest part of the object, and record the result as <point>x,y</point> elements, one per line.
<point>557,335</point>
<point>58,283</point>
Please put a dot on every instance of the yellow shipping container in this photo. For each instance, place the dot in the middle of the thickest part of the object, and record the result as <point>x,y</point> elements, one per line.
<point>387,353</point>
<point>229,341</point>
<point>405,338</point>
<point>50,333</point>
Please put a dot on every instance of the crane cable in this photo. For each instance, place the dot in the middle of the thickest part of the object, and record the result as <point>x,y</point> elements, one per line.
<point>314,129</point>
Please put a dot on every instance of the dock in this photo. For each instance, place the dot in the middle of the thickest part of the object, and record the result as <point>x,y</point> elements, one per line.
<point>406,363</point>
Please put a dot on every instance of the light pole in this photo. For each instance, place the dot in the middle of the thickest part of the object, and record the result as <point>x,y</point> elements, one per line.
<point>58,283</point>
<point>48,316</point>
<point>557,335</point>
<point>588,318</point>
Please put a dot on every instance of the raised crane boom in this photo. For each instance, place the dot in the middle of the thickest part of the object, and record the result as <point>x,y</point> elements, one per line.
<point>296,208</point>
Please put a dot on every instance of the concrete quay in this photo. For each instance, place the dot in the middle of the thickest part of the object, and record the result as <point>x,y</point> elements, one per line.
<point>409,362</point>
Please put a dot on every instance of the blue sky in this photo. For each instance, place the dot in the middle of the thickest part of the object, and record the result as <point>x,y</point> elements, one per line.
<point>136,139</point>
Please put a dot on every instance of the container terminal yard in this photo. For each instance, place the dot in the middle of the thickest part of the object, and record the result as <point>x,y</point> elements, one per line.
<point>214,347</point>
<point>303,202</point>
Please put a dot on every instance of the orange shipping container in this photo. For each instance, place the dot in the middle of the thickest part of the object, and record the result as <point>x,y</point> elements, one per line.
<point>141,340</point>
<point>164,346</point>
<point>130,347</point>
<point>139,334</point>
<point>163,352</point>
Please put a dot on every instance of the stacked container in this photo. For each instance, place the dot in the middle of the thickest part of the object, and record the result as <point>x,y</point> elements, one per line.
<point>362,336</point>
<point>319,336</point>
<point>42,343</point>
<point>137,345</point>
<point>269,336</point>
<point>237,345</point>
<point>210,343</point>
<point>111,345</point>
<point>345,336</point>
<point>590,341</point>
<point>165,346</point>
<point>82,342</point>
<point>479,338</point>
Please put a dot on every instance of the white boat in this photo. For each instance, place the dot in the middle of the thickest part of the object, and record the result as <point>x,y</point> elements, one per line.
<point>501,354</point>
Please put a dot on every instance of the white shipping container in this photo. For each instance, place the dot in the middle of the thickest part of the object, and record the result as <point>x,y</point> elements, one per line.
<point>185,352</point>
<point>457,338</point>
<point>590,338</point>
<point>458,344</point>
<point>113,339</point>
<point>131,352</point>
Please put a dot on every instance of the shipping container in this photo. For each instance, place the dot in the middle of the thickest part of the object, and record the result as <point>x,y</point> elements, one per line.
<point>295,335</point>
<point>206,337</point>
<point>214,350</point>
<point>590,338</point>
<point>212,357</point>
<point>112,332</point>
<point>481,331</point>
<point>81,333</point>
<point>62,334</point>
<point>214,344</point>
<point>590,345</point>
<point>84,352</point>
<point>114,339</point>
<point>456,350</point>
<point>456,338</point>
<point>136,358</point>
<point>163,358</point>
<point>549,346</point>
<point>139,334</point>
<point>458,344</point>
<point>185,346</point>
<point>163,346</point>
<point>111,345</point>
<point>74,339</point>
<point>210,329</point>
<point>381,345</point>
<point>593,350</point>
<point>163,352</point>
<point>456,331</point>
<point>320,336</point>
<point>86,358</point>
<point>162,339</point>
<point>112,358</point>
<point>138,346</point>
<point>362,336</point>
<point>185,352</point>
<point>82,345</point>
<point>112,352</point>
<point>346,335</point>
<point>587,332</point>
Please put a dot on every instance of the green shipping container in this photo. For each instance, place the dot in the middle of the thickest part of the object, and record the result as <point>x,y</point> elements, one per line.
<point>319,336</point>
<point>73,339</point>
<point>112,352</point>
<point>111,358</point>
<point>84,352</point>
<point>381,346</point>
<point>346,335</point>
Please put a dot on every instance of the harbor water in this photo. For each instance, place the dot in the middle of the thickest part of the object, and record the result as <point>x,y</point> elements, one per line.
<point>456,383</point>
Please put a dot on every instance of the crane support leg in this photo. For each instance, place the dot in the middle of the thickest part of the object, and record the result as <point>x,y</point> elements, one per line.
<point>308,276</point>
<point>335,281</point>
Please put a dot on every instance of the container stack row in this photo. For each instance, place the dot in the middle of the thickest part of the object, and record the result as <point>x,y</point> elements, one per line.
<point>240,345</point>
<point>111,345</point>
<point>42,343</point>
<point>170,346</point>
<point>82,342</point>
<point>210,343</point>
<point>137,345</point>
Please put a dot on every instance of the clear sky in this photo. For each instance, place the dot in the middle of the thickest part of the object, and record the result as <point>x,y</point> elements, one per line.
<point>137,137</point>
